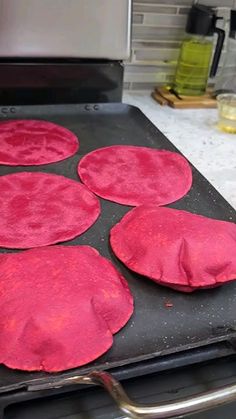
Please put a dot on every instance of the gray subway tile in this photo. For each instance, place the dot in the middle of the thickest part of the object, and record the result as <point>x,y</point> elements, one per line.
<point>164,20</point>
<point>137,18</point>
<point>137,68</point>
<point>154,8</point>
<point>225,3</point>
<point>168,2</point>
<point>142,86</point>
<point>183,10</point>
<point>163,54</point>
<point>153,44</point>
<point>126,85</point>
<point>160,75</point>
<point>141,32</point>
<point>147,73</point>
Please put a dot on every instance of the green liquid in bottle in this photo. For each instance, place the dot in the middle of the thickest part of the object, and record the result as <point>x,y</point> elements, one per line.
<point>193,67</point>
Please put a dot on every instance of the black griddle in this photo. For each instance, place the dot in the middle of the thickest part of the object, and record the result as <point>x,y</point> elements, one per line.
<point>198,326</point>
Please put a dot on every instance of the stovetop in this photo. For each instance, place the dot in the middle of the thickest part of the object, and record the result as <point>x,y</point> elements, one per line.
<point>84,82</point>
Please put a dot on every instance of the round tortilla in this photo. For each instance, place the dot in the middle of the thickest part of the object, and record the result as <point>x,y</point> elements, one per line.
<point>176,248</point>
<point>38,209</point>
<point>32,142</point>
<point>59,307</point>
<point>133,175</point>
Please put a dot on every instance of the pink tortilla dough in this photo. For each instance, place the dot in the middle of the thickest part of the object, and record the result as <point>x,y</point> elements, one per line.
<point>133,175</point>
<point>32,143</point>
<point>60,307</point>
<point>176,248</point>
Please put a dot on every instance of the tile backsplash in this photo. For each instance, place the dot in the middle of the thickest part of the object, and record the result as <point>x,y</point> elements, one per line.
<point>157,31</point>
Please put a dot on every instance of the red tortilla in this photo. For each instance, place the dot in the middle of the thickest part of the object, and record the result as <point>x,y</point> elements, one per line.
<point>38,209</point>
<point>30,142</point>
<point>176,248</point>
<point>59,307</point>
<point>133,175</point>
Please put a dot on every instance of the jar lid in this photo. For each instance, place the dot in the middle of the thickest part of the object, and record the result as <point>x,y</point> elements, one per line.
<point>201,20</point>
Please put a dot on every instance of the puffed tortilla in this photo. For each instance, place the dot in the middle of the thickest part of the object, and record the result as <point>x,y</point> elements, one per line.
<point>60,307</point>
<point>176,248</point>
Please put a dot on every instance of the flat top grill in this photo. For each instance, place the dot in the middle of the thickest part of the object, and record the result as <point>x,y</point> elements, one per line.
<point>194,320</point>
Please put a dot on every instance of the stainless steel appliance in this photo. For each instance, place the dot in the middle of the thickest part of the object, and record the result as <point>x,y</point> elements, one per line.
<point>164,354</point>
<point>65,28</point>
<point>63,51</point>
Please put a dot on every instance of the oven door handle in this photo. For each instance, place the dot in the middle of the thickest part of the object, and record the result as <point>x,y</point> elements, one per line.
<point>179,408</point>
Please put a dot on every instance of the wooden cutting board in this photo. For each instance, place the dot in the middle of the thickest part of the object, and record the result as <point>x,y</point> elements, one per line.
<point>164,97</point>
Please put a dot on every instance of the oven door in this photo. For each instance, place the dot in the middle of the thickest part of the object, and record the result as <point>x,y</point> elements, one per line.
<point>65,28</point>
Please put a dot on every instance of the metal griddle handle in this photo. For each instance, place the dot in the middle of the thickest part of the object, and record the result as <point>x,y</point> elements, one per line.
<point>179,408</point>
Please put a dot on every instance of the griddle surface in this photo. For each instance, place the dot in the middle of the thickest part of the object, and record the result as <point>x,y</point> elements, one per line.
<point>194,320</point>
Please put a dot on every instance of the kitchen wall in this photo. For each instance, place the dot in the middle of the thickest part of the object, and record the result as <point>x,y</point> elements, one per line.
<point>157,30</point>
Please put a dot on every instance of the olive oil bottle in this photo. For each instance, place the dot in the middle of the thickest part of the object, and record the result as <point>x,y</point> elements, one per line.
<point>193,66</point>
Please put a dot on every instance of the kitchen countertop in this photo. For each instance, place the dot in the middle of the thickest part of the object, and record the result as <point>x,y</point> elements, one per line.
<point>194,133</point>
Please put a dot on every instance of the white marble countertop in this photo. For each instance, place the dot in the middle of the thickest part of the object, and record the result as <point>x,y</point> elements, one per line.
<point>195,134</point>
